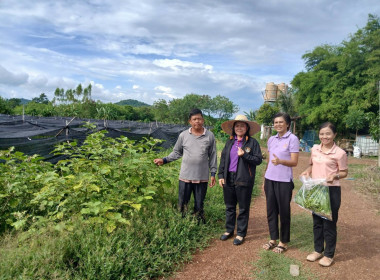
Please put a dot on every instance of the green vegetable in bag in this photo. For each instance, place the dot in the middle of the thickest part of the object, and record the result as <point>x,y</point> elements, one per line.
<point>315,197</point>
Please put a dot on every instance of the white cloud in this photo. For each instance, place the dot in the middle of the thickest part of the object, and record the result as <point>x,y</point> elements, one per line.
<point>164,91</point>
<point>176,65</point>
<point>9,78</point>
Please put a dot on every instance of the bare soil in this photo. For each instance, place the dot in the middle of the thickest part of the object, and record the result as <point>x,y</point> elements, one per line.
<point>357,253</point>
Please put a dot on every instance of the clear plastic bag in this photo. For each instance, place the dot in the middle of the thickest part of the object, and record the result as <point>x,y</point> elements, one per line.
<point>315,197</point>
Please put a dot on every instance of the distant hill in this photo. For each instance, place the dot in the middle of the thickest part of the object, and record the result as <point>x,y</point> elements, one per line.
<point>24,101</point>
<point>132,102</point>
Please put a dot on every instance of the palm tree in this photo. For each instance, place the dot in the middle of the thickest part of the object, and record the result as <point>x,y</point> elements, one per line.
<point>251,115</point>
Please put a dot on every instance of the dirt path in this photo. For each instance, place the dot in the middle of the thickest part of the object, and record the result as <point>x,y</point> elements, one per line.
<point>357,254</point>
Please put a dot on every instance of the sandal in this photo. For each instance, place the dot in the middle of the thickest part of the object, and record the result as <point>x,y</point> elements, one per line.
<point>269,246</point>
<point>279,249</point>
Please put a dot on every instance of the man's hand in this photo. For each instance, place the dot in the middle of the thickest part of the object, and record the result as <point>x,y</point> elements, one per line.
<point>221,182</point>
<point>159,161</point>
<point>212,181</point>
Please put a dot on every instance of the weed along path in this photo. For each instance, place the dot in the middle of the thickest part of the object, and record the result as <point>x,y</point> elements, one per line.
<point>357,253</point>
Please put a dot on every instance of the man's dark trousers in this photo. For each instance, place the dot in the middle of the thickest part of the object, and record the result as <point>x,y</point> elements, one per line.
<point>184,194</point>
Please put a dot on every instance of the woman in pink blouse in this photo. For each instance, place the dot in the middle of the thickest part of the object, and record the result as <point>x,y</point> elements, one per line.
<point>329,162</point>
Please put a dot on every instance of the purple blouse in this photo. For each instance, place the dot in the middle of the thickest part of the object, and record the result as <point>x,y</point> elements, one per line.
<point>282,147</point>
<point>234,155</point>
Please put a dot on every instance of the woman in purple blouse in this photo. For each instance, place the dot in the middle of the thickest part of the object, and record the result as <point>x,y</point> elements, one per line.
<point>283,150</point>
<point>237,170</point>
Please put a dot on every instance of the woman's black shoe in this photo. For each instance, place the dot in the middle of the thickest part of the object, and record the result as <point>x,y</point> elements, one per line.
<point>238,241</point>
<point>224,237</point>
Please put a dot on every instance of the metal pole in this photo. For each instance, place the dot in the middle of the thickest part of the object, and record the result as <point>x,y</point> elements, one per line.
<point>378,148</point>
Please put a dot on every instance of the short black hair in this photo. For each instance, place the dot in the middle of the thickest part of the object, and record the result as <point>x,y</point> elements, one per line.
<point>329,125</point>
<point>194,112</point>
<point>285,116</point>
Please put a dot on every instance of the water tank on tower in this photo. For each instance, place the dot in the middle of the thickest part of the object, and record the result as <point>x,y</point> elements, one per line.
<point>282,89</point>
<point>270,92</point>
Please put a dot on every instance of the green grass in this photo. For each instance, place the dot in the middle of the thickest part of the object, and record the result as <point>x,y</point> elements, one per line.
<point>302,232</point>
<point>272,266</point>
<point>158,241</point>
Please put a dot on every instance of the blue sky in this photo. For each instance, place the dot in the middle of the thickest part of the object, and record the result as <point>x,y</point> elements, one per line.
<point>160,49</point>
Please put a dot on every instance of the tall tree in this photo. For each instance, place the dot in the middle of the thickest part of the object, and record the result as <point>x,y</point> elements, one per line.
<point>265,113</point>
<point>286,103</point>
<point>41,99</point>
<point>5,108</point>
<point>340,77</point>
<point>222,107</point>
<point>355,119</point>
<point>251,115</point>
<point>161,110</point>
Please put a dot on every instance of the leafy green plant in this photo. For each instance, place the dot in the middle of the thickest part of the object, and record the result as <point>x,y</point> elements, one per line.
<point>18,185</point>
<point>104,181</point>
<point>315,199</point>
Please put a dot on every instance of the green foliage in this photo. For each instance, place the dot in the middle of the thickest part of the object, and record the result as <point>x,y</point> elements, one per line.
<point>18,185</point>
<point>222,107</point>
<point>77,103</point>
<point>355,119</point>
<point>69,96</point>
<point>137,251</point>
<point>251,115</point>
<point>105,181</point>
<point>265,113</point>
<point>286,103</point>
<point>374,125</point>
<point>161,110</point>
<point>218,131</point>
<point>37,109</point>
<point>5,108</point>
<point>316,199</point>
<point>89,250</point>
<point>340,78</point>
<point>14,102</point>
<point>144,114</point>
<point>41,99</point>
<point>177,110</point>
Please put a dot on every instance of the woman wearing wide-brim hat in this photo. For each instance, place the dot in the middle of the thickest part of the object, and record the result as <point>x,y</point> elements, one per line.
<point>237,170</point>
